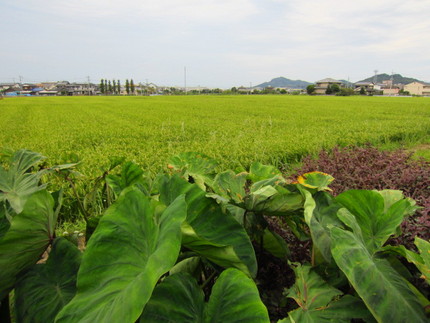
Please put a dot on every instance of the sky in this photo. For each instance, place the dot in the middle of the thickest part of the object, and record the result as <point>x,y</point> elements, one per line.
<point>212,43</point>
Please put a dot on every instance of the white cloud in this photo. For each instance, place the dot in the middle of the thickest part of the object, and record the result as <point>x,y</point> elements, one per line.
<point>295,38</point>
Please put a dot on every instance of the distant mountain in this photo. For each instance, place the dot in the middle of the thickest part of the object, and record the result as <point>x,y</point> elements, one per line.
<point>284,82</point>
<point>397,78</point>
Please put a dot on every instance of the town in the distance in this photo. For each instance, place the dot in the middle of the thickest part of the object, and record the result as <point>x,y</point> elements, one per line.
<point>379,84</point>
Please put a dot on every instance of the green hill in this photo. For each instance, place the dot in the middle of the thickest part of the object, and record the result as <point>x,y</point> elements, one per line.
<point>284,82</point>
<point>397,79</point>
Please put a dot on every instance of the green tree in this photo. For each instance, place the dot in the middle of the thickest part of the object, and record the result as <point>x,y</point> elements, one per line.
<point>132,86</point>
<point>110,87</point>
<point>118,84</point>
<point>310,89</point>
<point>102,86</point>
<point>335,88</point>
<point>345,92</point>
<point>127,86</point>
<point>362,91</point>
<point>114,86</point>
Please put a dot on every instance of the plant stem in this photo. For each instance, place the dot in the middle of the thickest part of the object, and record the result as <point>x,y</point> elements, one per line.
<point>207,281</point>
<point>80,206</point>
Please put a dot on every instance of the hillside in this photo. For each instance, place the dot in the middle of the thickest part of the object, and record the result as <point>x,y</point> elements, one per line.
<point>284,82</point>
<point>397,78</point>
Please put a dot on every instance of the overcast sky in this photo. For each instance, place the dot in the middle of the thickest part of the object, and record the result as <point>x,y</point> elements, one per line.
<point>222,43</point>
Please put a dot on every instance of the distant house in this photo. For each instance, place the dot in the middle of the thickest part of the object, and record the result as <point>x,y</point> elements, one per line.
<point>418,88</point>
<point>81,89</point>
<point>322,85</point>
<point>48,93</point>
<point>368,87</point>
<point>28,86</point>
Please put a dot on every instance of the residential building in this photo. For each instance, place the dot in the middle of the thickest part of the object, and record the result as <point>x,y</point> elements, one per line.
<point>81,89</point>
<point>418,88</point>
<point>322,85</point>
<point>368,87</point>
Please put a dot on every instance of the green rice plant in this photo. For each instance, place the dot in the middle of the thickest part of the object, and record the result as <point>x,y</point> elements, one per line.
<point>235,130</point>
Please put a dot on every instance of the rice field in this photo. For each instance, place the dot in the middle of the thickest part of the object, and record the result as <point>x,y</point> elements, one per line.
<point>236,130</point>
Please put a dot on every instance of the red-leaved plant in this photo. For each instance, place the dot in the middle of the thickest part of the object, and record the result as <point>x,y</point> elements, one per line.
<point>370,168</point>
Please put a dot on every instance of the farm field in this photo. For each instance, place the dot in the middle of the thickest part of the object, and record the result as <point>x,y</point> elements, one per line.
<point>235,130</point>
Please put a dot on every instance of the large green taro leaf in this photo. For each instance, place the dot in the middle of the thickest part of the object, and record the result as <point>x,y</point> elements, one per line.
<point>179,299</point>
<point>275,200</point>
<point>235,298</point>
<point>45,288</point>
<point>29,234</point>
<point>199,167</point>
<point>259,172</point>
<point>16,183</point>
<point>230,186</point>
<point>421,260</point>
<point>316,181</point>
<point>130,250</point>
<point>378,215</point>
<point>320,302</point>
<point>383,290</point>
<point>320,215</point>
<point>207,230</point>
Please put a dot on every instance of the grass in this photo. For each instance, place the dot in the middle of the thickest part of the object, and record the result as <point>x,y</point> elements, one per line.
<point>236,130</point>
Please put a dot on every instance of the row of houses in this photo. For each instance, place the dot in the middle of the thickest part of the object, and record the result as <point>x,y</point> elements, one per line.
<point>69,89</point>
<point>384,88</point>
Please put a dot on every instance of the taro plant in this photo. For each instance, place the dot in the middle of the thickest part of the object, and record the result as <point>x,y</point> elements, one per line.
<point>178,247</point>
<point>320,302</point>
<point>28,215</point>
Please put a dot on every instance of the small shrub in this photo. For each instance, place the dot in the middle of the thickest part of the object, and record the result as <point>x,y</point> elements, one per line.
<point>369,168</point>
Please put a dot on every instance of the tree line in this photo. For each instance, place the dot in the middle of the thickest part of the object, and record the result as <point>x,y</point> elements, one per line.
<point>114,86</point>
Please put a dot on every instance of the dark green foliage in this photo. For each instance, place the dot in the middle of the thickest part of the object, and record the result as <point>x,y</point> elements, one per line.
<point>310,89</point>
<point>110,90</point>
<point>320,302</point>
<point>344,91</point>
<point>132,247</point>
<point>102,86</point>
<point>132,86</point>
<point>127,86</point>
<point>30,233</point>
<point>234,298</point>
<point>180,247</point>
<point>44,289</point>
